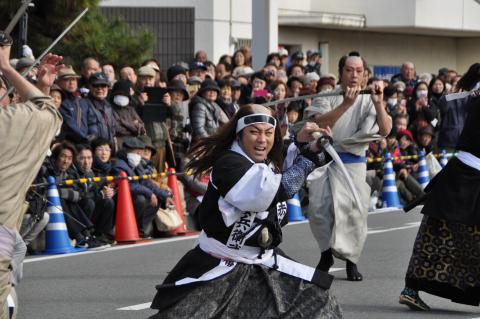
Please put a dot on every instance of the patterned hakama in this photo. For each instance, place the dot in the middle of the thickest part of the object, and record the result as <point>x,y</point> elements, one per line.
<point>446,261</point>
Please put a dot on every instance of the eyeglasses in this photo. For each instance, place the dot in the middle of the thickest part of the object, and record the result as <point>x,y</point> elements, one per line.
<point>104,149</point>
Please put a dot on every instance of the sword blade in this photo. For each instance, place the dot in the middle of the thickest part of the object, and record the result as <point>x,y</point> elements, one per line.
<point>10,90</point>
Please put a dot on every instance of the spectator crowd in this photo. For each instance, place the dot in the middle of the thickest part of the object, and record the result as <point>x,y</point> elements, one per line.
<point>144,120</point>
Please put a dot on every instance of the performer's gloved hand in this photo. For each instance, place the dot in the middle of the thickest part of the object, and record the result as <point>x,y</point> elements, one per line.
<point>315,150</point>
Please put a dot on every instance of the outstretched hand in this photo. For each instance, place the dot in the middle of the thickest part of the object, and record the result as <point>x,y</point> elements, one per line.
<point>309,131</point>
<point>47,70</point>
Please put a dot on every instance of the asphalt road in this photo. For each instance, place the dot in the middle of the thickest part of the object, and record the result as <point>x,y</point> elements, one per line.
<point>120,281</point>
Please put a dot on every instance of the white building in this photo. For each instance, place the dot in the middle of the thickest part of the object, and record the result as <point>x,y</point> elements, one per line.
<point>430,33</point>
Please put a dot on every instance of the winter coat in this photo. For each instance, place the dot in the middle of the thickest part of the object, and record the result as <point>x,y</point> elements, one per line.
<point>142,187</point>
<point>452,115</point>
<point>78,120</point>
<point>204,117</point>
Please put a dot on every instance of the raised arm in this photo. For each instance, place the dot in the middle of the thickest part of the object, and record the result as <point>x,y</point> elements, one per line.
<point>330,118</point>
<point>25,89</point>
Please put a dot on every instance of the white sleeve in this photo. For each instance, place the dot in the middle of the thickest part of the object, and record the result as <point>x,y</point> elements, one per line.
<point>255,191</point>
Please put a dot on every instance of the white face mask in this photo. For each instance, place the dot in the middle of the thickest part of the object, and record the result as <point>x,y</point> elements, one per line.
<point>121,100</point>
<point>133,159</point>
<point>422,93</point>
<point>392,101</point>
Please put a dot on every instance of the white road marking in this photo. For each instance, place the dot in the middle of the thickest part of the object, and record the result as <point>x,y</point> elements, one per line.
<point>146,305</point>
<point>141,306</point>
<point>119,247</point>
<point>378,231</point>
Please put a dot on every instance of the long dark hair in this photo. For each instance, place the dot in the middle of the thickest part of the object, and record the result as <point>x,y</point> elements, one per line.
<point>469,79</point>
<point>207,150</point>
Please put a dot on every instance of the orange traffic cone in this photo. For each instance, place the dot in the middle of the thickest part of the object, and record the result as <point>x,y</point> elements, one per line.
<point>126,231</point>
<point>173,185</point>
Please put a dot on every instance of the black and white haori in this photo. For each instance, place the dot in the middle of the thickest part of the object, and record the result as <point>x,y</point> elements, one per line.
<point>446,254</point>
<point>237,269</point>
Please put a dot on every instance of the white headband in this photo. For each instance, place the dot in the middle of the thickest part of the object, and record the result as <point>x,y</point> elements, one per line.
<point>251,119</point>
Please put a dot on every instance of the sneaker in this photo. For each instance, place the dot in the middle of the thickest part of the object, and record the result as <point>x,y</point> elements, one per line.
<point>411,298</point>
<point>95,244</point>
<point>82,243</point>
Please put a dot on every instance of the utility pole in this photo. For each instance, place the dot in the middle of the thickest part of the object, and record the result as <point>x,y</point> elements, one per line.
<point>23,30</point>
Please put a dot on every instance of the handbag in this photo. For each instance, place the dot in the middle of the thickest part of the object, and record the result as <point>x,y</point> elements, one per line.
<point>167,219</point>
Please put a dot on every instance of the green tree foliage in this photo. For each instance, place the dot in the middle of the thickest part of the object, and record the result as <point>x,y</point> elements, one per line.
<point>110,41</point>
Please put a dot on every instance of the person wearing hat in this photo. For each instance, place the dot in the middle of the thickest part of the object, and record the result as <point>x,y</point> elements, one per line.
<point>197,69</point>
<point>314,62</point>
<point>283,53</point>
<point>128,121</point>
<point>177,72</point>
<point>146,77</point>
<point>206,115</point>
<point>57,95</point>
<point>77,117</point>
<point>310,82</point>
<point>326,83</point>
<point>297,58</point>
<point>23,64</point>
<point>147,197</point>
<point>101,121</point>
<point>179,127</point>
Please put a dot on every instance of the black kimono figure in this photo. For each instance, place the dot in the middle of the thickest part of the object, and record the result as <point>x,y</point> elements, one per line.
<point>237,269</point>
<point>446,255</point>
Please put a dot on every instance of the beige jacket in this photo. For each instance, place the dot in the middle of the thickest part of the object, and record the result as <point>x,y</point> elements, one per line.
<point>26,131</point>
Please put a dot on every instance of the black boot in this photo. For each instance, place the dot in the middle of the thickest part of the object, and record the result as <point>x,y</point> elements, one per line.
<point>352,272</point>
<point>326,261</point>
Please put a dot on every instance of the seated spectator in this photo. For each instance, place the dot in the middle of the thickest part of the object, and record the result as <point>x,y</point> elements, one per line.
<point>425,139</point>
<point>102,157</point>
<point>147,197</point>
<point>99,197</point>
<point>390,96</point>
<point>127,119</point>
<point>36,217</point>
<point>194,189</point>
<point>294,110</point>
<point>77,216</point>
<point>401,122</point>
<point>407,185</point>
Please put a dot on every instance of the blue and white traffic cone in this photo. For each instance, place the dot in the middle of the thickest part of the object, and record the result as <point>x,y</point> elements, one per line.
<point>443,158</point>
<point>56,235</point>
<point>422,174</point>
<point>294,210</point>
<point>389,193</point>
